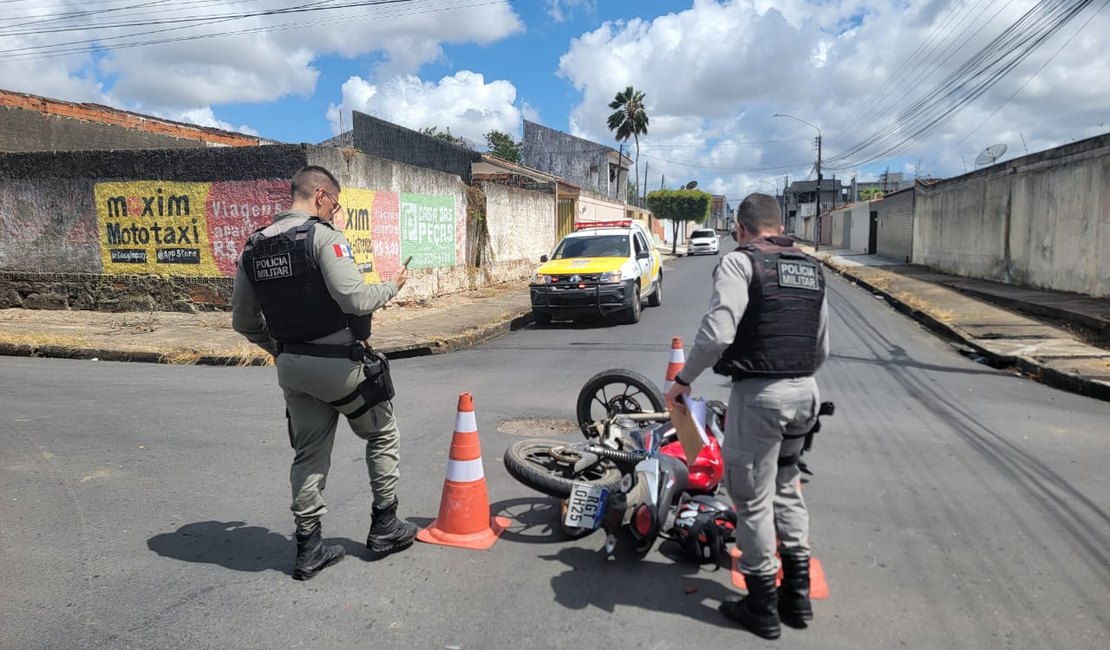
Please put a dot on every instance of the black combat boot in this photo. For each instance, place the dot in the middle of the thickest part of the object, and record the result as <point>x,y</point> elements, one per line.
<point>795,608</point>
<point>758,611</point>
<point>388,534</point>
<point>312,554</point>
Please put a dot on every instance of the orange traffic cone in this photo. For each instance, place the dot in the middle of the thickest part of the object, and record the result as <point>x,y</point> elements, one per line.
<point>818,586</point>
<point>678,359</point>
<point>464,516</point>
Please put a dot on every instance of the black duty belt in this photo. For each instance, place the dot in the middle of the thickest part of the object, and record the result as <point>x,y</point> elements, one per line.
<point>352,351</point>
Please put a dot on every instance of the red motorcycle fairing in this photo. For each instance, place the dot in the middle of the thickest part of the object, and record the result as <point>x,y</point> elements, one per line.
<point>707,470</point>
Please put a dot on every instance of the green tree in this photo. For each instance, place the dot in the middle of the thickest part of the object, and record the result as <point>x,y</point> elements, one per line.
<point>446,136</point>
<point>503,146</point>
<point>679,206</point>
<point>869,193</point>
<point>629,120</point>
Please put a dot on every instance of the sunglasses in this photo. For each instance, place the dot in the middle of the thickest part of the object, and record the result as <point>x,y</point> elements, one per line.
<point>334,200</point>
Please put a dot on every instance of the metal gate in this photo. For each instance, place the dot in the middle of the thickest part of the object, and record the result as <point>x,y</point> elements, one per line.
<point>564,218</point>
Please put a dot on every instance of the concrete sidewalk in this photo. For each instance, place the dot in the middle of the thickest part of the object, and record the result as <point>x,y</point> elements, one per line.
<point>1057,338</point>
<point>401,329</point>
<point>407,329</point>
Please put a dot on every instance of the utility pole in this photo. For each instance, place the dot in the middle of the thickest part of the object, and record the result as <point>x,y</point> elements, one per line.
<point>817,205</point>
<point>620,165</point>
<point>817,217</point>
<point>785,184</point>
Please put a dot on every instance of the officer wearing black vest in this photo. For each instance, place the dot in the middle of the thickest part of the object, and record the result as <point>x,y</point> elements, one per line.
<point>767,329</point>
<point>299,295</point>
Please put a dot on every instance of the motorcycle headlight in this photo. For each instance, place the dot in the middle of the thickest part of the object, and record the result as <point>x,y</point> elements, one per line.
<point>611,276</point>
<point>540,278</point>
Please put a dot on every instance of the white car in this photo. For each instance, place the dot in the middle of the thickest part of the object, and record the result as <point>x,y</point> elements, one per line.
<point>703,240</point>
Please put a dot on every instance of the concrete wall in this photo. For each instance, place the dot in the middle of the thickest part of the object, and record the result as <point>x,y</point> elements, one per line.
<point>895,224</point>
<point>390,141</point>
<point>579,162</point>
<point>859,227</point>
<point>180,217</point>
<point>521,224</point>
<point>591,208</point>
<point>1042,220</point>
<point>836,221</point>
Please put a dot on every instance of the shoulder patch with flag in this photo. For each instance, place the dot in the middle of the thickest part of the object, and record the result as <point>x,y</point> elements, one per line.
<point>343,250</point>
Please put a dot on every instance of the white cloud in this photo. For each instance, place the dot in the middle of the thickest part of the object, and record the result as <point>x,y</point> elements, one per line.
<point>559,10</point>
<point>258,59</point>
<point>203,117</point>
<point>464,102</point>
<point>715,73</point>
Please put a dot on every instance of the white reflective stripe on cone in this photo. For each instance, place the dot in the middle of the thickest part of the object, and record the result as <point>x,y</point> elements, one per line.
<point>465,422</point>
<point>677,356</point>
<point>463,471</point>
<point>667,385</point>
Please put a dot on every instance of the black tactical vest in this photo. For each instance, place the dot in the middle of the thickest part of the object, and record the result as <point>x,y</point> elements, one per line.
<point>777,336</point>
<point>285,276</point>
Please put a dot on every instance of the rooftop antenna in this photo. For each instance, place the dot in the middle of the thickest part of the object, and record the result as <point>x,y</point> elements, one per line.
<point>1023,145</point>
<point>691,185</point>
<point>990,155</point>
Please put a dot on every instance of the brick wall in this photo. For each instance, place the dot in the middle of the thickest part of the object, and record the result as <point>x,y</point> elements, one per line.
<point>33,123</point>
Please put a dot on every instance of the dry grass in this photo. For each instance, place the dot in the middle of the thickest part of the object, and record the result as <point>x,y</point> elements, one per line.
<point>942,315</point>
<point>879,280</point>
<point>252,355</point>
<point>40,340</point>
<point>182,357</point>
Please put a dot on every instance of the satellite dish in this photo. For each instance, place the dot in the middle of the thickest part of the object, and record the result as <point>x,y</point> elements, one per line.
<point>990,155</point>
<point>691,185</point>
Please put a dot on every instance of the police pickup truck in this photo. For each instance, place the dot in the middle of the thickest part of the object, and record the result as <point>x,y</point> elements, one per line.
<point>601,269</point>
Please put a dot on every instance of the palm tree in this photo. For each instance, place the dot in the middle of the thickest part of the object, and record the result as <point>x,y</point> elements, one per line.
<point>629,120</point>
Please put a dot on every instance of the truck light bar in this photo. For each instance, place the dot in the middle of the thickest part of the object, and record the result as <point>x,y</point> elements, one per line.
<point>624,223</point>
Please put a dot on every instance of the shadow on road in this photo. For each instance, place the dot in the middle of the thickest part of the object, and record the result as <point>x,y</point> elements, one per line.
<point>233,545</point>
<point>535,520</point>
<point>670,588</point>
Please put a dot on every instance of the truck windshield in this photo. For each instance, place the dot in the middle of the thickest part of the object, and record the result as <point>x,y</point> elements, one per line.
<point>602,246</point>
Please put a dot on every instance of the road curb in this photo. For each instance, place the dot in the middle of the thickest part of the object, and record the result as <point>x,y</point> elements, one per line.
<point>455,343</point>
<point>1027,367</point>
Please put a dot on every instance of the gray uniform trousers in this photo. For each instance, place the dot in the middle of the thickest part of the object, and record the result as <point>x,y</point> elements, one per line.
<point>309,384</point>
<point>768,498</point>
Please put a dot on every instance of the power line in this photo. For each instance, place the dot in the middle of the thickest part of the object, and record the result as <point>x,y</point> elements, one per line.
<point>85,45</point>
<point>968,82</point>
<point>1026,83</point>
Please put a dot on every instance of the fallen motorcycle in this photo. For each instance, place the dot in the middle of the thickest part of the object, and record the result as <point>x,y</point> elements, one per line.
<point>630,469</point>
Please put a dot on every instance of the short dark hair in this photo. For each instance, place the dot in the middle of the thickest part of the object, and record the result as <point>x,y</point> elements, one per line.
<point>310,177</point>
<point>759,213</point>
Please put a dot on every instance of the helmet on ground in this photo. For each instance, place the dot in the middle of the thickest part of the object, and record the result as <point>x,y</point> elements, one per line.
<point>703,525</point>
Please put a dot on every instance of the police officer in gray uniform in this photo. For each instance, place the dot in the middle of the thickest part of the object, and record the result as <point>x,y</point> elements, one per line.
<point>299,295</point>
<point>767,329</point>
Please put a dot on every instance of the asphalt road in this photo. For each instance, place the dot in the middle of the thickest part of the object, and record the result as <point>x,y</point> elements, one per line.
<point>145,506</point>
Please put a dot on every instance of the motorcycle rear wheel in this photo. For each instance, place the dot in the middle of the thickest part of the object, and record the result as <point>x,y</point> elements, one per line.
<point>615,391</point>
<point>532,463</point>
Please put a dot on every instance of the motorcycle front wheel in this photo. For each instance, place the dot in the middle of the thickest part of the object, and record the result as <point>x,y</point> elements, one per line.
<point>547,466</point>
<point>616,391</point>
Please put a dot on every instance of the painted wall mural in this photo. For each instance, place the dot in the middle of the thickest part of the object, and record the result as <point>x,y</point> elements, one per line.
<point>428,230</point>
<point>198,229</point>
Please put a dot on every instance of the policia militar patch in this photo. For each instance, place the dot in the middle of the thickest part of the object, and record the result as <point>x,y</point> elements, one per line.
<point>273,267</point>
<point>798,275</point>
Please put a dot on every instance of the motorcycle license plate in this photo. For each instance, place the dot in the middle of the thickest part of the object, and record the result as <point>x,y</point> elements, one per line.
<point>585,506</point>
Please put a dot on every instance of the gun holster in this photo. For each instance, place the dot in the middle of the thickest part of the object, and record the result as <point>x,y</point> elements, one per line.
<point>378,385</point>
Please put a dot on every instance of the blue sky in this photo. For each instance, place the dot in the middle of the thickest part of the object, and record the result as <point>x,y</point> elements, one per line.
<point>713,71</point>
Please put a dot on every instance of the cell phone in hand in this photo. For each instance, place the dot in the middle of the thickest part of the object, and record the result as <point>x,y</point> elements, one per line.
<point>407,260</point>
